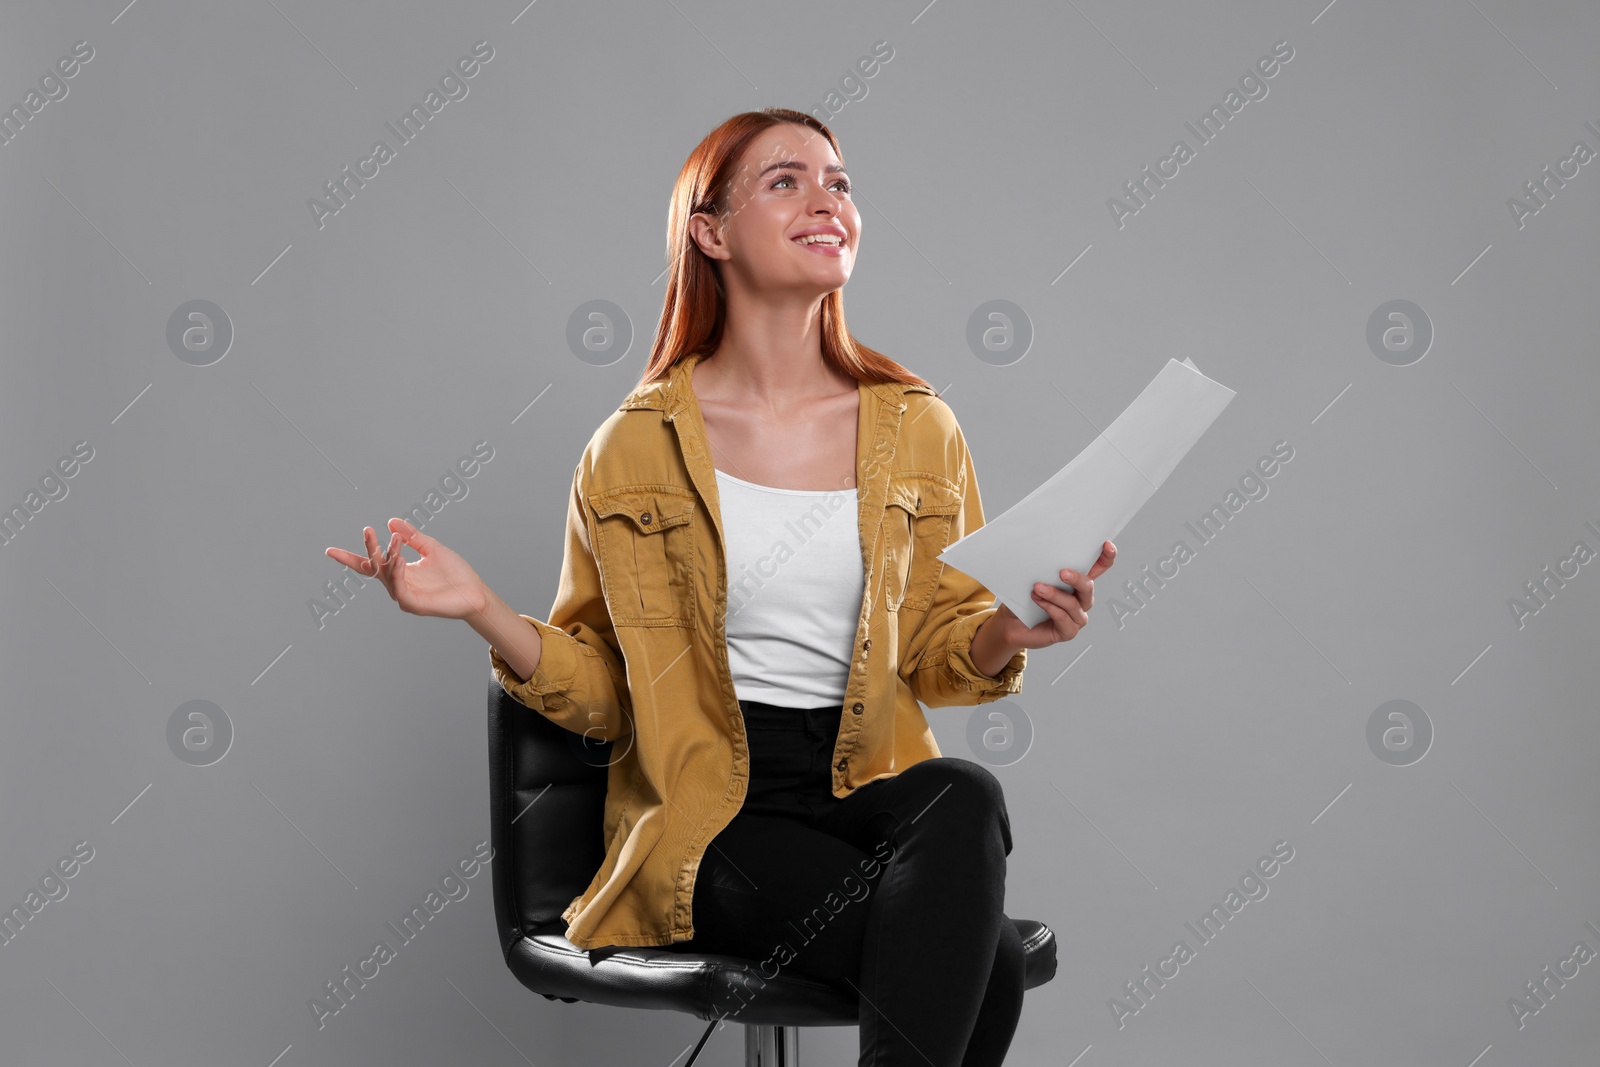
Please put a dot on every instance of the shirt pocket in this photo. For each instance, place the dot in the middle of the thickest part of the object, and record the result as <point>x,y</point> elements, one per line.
<point>918,513</point>
<point>645,537</point>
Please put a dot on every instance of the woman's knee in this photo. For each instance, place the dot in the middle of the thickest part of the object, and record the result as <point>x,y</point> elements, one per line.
<point>968,788</point>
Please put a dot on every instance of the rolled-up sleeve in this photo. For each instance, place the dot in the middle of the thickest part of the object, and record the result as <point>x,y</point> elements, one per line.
<point>938,663</point>
<point>580,683</point>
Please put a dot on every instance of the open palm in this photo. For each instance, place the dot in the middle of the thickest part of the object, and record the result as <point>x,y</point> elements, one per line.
<point>441,583</point>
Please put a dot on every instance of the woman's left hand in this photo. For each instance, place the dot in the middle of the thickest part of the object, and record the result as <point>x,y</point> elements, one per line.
<point>1066,610</point>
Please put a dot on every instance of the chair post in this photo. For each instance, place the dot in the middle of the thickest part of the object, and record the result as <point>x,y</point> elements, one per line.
<point>771,1046</point>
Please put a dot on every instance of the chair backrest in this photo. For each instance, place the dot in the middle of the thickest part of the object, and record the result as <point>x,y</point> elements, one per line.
<point>547,792</point>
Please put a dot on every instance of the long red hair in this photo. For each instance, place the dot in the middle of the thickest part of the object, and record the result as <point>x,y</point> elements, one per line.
<point>695,307</point>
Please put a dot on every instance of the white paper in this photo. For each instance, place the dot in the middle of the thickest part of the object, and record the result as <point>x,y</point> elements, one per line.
<point>1066,521</point>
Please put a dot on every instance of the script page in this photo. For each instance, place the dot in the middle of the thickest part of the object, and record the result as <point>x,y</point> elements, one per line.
<point>1066,520</point>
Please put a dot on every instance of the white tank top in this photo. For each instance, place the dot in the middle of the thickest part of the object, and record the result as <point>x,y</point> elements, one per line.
<point>795,583</point>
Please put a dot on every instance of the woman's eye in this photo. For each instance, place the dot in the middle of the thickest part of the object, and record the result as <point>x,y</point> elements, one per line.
<point>790,178</point>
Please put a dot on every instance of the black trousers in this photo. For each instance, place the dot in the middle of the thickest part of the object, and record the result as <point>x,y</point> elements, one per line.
<point>895,891</point>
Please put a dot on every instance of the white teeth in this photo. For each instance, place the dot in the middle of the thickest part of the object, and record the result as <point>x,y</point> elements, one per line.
<point>820,238</point>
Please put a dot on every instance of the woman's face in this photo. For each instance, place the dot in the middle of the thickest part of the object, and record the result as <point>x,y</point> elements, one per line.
<point>789,185</point>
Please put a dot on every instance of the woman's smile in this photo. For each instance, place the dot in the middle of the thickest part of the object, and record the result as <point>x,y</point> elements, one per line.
<point>822,248</point>
<point>826,239</point>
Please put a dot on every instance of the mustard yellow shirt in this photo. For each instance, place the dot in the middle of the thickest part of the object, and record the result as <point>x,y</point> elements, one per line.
<point>635,651</point>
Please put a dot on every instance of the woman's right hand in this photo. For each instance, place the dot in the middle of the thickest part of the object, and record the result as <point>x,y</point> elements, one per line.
<point>441,583</point>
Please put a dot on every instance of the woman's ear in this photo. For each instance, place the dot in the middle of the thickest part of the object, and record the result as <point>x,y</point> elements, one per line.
<point>705,230</point>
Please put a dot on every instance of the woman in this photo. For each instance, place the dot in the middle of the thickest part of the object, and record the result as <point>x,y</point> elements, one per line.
<point>716,614</point>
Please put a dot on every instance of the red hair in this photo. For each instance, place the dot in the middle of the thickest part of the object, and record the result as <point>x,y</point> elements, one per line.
<point>695,307</point>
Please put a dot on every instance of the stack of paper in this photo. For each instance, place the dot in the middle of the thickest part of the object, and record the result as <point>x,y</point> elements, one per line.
<point>1065,522</point>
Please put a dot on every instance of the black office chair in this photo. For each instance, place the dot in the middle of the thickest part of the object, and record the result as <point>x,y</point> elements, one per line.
<point>547,800</point>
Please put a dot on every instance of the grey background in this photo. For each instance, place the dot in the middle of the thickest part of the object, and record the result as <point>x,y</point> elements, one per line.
<point>430,313</point>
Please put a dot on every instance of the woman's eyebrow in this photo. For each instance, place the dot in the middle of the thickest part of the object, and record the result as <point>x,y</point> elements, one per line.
<point>795,164</point>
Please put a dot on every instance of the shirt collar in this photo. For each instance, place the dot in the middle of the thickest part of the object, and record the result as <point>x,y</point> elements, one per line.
<point>671,395</point>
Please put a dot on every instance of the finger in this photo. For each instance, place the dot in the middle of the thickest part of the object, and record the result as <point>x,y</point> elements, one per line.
<point>413,536</point>
<point>1065,604</point>
<point>1060,619</point>
<point>1108,556</point>
<point>1082,588</point>
<point>370,539</point>
<point>359,564</point>
<point>393,558</point>
<point>380,565</point>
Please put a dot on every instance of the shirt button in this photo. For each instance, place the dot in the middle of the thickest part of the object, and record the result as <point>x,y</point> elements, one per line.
<point>866,644</point>
<point>645,518</point>
<point>841,764</point>
<point>919,501</point>
<point>856,708</point>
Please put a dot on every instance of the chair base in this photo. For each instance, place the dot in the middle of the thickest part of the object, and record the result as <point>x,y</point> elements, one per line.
<point>771,1046</point>
<point>764,1045</point>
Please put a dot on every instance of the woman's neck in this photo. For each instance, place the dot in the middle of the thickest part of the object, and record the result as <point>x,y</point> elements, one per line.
<point>769,356</point>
